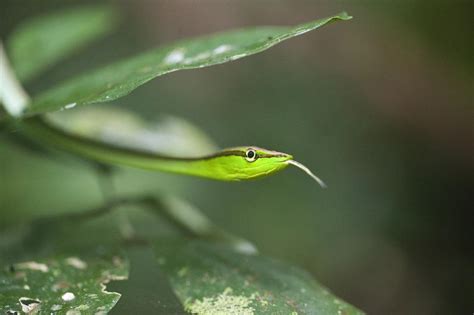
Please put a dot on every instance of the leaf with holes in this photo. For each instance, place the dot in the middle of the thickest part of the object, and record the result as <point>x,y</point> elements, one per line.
<point>61,284</point>
<point>211,279</point>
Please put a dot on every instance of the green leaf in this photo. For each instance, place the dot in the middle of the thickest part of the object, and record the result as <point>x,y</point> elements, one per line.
<point>167,135</point>
<point>61,284</point>
<point>210,279</point>
<point>121,78</point>
<point>39,43</point>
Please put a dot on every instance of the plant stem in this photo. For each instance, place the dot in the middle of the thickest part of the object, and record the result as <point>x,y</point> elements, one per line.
<point>186,218</point>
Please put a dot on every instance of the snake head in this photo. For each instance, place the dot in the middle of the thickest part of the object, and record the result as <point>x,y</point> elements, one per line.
<point>253,162</point>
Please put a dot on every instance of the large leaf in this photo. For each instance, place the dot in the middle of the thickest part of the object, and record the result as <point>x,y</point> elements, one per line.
<point>211,279</point>
<point>61,285</point>
<point>39,43</point>
<point>121,78</point>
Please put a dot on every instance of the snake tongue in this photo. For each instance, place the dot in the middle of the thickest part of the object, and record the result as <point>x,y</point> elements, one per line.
<point>307,171</point>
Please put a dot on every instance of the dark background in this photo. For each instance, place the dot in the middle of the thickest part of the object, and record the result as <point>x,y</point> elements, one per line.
<point>381,107</point>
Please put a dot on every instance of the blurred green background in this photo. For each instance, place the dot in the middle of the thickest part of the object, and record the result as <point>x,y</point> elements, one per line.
<point>380,107</point>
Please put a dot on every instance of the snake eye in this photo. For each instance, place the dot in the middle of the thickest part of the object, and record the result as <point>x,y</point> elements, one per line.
<point>250,155</point>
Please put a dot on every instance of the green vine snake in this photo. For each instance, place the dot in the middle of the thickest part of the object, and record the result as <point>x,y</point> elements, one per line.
<point>233,164</point>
